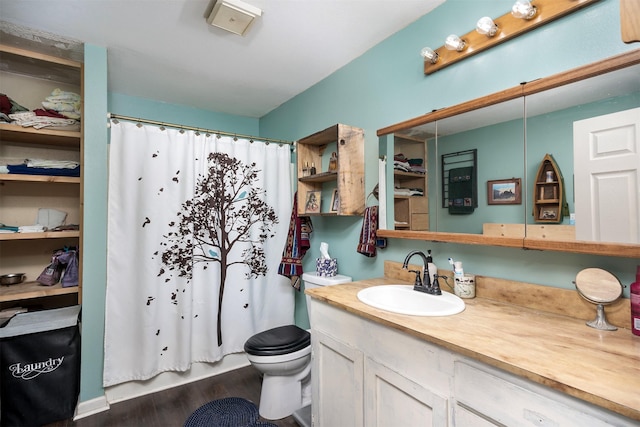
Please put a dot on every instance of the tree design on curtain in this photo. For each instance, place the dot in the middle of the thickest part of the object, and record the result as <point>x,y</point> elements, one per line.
<point>226,214</point>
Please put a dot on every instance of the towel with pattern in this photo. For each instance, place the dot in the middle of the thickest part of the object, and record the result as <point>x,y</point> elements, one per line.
<point>298,243</point>
<point>369,232</point>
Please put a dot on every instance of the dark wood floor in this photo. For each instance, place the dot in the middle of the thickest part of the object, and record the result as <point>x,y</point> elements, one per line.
<point>172,407</point>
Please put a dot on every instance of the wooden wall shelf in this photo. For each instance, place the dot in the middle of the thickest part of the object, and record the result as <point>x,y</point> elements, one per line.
<point>30,290</point>
<point>548,192</point>
<point>348,179</point>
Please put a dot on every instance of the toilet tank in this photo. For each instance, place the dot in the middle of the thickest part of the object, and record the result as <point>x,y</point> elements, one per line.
<point>312,280</point>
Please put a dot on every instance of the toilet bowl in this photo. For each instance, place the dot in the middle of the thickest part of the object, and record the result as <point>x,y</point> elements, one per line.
<point>283,356</point>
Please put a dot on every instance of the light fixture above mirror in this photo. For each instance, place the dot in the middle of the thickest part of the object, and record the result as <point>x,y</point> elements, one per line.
<point>523,17</point>
<point>454,42</point>
<point>486,26</point>
<point>523,9</point>
<point>429,55</point>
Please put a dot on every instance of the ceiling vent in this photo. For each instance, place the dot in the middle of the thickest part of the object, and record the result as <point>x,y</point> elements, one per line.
<point>233,15</point>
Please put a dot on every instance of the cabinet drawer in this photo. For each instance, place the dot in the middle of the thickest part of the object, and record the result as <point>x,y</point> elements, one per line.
<point>419,221</point>
<point>419,205</point>
<point>503,399</point>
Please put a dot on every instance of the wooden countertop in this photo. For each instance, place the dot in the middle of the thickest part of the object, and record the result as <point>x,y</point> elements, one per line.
<point>561,352</point>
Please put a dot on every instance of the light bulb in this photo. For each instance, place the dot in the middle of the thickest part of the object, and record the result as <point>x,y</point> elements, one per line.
<point>429,54</point>
<point>486,26</point>
<point>454,42</point>
<point>523,9</point>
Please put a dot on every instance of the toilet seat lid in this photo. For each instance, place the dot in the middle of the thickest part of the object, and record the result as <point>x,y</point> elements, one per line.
<point>277,341</point>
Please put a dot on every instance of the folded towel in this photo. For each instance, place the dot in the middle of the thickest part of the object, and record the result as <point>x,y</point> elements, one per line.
<point>368,234</point>
<point>60,95</point>
<point>26,170</point>
<point>54,164</point>
<point>298,242</point>
<point>31,228</point>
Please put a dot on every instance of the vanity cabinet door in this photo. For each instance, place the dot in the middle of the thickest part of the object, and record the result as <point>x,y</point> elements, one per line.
<point>392,399</point>
<point>337,372</point>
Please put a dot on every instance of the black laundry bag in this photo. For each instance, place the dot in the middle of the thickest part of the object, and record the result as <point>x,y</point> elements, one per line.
<point>40,367</point>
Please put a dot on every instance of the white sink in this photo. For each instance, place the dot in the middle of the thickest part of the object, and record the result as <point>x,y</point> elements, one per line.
<point>403,299</point>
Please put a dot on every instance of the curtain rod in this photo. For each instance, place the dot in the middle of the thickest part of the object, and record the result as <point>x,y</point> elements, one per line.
<point>217,132</point>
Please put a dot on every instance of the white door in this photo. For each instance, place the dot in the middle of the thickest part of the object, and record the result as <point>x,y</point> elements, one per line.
<point>606,158</point>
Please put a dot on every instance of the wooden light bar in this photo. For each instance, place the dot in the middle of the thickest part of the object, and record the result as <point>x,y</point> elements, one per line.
<point>508,28</point>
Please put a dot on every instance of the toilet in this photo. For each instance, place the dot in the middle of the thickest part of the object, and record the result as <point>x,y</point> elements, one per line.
<point>283,356</point>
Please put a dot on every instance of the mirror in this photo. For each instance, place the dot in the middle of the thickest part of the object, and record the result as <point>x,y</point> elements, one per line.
<point>484,142</point>
<point>598,89</point>
<point>479,145</point>
<point>588,128</point>
<point>599,287</point>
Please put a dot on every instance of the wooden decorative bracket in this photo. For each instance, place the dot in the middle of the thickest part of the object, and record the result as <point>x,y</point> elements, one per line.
<point>508,27</point>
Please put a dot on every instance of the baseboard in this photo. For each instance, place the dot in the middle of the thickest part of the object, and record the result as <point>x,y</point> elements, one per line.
<point>91,407</point>
<point>166,380</point>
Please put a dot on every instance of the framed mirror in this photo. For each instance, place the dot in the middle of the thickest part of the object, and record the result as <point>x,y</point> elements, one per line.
<point>598,89</point>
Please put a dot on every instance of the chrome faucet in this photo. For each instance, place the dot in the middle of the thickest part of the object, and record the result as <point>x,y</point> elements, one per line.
<point>423,284</point>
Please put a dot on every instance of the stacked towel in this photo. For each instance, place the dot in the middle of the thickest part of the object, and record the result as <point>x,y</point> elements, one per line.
<point>298,243</point>
<point>32,119</point>
<point>43,167</point>
<point>65,103</point>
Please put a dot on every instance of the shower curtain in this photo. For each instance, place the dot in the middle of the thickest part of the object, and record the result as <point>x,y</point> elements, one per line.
<point>196,227</point>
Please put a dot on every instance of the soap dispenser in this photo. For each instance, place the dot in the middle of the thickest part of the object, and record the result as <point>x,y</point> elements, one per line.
<point>433,270</point>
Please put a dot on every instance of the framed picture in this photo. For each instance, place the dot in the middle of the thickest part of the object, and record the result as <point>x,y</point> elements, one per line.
<point>335,201</point>
<point>549,213</point>
<point>504,192</point>
<point>312,203</point>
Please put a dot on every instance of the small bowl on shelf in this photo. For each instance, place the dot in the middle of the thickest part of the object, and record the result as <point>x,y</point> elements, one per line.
<point>12,279</point>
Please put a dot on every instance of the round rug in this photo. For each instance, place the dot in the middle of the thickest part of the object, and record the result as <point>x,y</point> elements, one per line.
<point>227,412</point>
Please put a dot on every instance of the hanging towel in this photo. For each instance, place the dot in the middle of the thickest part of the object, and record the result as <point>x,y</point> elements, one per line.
<point>298,242</point>
<point>368,234</point>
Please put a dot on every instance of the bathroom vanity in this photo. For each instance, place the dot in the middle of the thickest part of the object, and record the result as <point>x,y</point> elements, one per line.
<point>496,363</point>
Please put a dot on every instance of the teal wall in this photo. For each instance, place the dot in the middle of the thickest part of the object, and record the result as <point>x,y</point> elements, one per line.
<point>94,231</point>
<point>181,114</point>
<point>386,85</point>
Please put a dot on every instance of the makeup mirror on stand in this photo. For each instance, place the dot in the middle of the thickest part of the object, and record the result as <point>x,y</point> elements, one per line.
<point>601,288</point>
